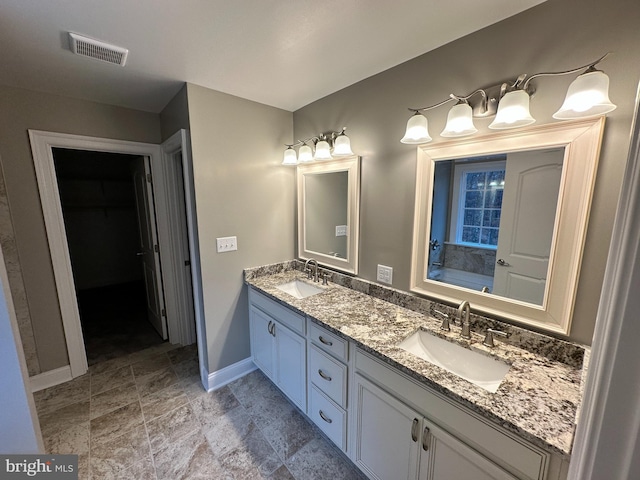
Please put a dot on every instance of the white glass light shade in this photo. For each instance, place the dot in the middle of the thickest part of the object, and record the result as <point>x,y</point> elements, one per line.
<point>290,157</point>
<point>417,130</point>
<point>342,146</point>
<point>587,96</point>
<point>459,121</point>
<point>323,150</point>
<point>513,111</point>
<point>305,154</point>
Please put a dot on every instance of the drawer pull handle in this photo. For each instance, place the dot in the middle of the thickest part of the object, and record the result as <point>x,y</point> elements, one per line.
<point>324,375</point>
<point>414,430</point>
<point>324,417</point>
<point>326,342</point>
<point>269,327</point>
<point>425,439</point>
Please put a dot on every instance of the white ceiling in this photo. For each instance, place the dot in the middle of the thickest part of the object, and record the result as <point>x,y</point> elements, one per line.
<point>285,53</point>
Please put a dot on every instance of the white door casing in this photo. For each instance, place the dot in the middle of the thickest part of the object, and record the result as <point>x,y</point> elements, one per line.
<point>527,223</point>
<point>149,252</point>
<point>42,144</point>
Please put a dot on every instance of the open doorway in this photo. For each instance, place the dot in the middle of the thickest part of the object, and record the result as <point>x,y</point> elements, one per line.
<point>108,217</point>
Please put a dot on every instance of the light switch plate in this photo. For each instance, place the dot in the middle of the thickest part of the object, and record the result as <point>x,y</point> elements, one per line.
<point>341,230</point>
<point>226,244</point>
<point>385,274</point>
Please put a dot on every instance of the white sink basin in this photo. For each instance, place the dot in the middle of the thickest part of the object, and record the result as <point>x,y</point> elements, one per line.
<point>299,289</point>
<point>474,367</point>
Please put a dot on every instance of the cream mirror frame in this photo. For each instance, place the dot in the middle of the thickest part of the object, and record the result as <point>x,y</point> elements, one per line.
<point>581,141</point>
<point>349,205</point>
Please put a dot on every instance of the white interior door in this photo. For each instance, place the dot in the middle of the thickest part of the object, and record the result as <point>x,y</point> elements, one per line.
<point>532,182</point>
<point>148,252</point>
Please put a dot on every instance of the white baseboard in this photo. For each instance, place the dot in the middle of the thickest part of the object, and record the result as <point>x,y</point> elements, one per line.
<point>228,374</point>
<point>50,378</point>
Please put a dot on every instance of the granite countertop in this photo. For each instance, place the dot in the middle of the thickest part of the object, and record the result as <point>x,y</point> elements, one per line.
<point>538,399</point>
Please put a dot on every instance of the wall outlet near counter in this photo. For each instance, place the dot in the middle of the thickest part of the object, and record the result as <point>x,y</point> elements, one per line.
<point>385,274</point>
<point>341,230</point>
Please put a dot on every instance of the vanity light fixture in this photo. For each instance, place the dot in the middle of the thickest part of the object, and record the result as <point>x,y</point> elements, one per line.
<point>323,143</point>
<point>587,96</point>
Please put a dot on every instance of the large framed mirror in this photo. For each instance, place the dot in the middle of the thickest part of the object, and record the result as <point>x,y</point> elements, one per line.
<point>328,212</point>
<point>500,221</point>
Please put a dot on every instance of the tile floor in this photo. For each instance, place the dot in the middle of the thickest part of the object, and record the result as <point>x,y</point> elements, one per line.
<point>146,416</point>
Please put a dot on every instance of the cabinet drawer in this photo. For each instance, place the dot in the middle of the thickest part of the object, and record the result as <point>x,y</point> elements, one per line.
<point>329,342</point>
<point>279,312</point>
<point>328,375</point>
<point>330,418</point>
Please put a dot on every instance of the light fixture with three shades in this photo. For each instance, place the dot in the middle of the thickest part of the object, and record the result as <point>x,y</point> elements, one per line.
<point>587,96</point>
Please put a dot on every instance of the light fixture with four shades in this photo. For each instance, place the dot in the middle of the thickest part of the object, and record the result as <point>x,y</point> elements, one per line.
<point>587,96</point>
<point>327,146</point>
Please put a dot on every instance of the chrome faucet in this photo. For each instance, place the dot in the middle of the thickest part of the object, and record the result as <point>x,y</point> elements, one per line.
<point>463,312</point>
<point>308,269</point>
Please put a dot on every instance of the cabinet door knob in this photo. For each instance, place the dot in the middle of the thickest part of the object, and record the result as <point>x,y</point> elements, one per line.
<point>324,375</point>
<point>324,417</point>
<point>326,342</point>
<point>425,439</point>
<point>414,430</point>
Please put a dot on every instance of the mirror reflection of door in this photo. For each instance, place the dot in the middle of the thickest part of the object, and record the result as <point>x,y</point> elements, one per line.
<point>527,223</point>
<point>326,220</point>
<point>493,220</point>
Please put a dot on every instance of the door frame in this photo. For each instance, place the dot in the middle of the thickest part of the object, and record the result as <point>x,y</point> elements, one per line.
<point>42,144</point>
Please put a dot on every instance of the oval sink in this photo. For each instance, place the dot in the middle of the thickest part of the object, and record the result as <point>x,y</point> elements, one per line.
<point>474,367</point>
<point>299,289</point>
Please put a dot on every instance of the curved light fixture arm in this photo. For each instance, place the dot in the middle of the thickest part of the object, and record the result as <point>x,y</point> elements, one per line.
<point>588,67</point>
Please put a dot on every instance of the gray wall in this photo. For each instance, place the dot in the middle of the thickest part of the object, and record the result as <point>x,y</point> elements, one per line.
<point>557,35</point>
<point>241,189</point>
<point>175,114</point>
<point>22,110</point>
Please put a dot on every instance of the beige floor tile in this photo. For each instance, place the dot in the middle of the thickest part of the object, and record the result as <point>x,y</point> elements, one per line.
<point>253,457</point>
<point>111,379</point>
<point>113,399</point>
<point>74,391</point>
<point>212,405</point>
<point>289,433</point>
<point>189,458</point>
<point>228,431</point>
<point>72,440</point>
<point>114,424</point>
<point>162,402</point>
<point>189,352</point>
<point>142,470</point>
<point>282,473</point>
<point>151,364</point>
<point>187,369</point>
<point>109,365</point>
<point>112,458</point>
<point>55,422</point>
<point>166,430</point>
<point>83,467</point>
<point>318,460</point>
<point>155,381</point>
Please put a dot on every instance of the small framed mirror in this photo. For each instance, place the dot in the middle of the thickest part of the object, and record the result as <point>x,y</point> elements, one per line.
<point>500,221</point>
<point>328,212</point>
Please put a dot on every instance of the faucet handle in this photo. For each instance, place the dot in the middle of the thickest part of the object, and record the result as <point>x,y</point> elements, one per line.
<point>325,277</point>
<point>488,338</point>
<point>445,320</point>
<point>308,272</point>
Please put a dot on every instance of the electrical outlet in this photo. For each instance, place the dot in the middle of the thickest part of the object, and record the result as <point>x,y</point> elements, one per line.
<point>385,274</point>
<point>226,244</point>
<point>341,230</point>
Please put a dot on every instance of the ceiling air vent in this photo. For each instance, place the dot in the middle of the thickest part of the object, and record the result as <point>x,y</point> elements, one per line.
<point>88,47</point>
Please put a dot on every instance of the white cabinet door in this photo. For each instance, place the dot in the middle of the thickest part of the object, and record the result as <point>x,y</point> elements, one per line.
<point>262,341</point>
<point>444,457</point>
<point>386,434</point>
<point>291,366</point>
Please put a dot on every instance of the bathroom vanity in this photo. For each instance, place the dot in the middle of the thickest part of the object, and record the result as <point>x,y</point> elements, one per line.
<point>338,354</point>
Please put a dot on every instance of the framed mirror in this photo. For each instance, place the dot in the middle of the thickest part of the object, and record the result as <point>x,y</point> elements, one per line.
<point>500,221</point>
<point>328,212</point>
